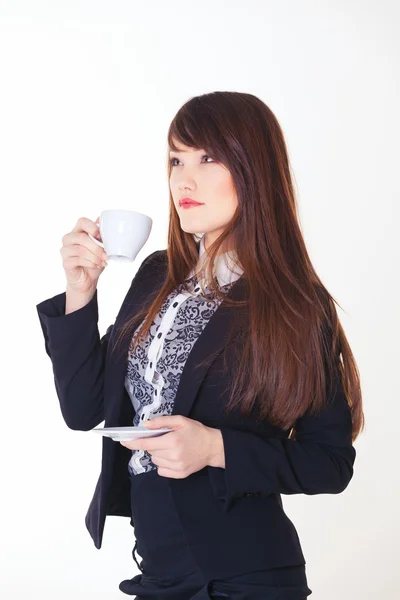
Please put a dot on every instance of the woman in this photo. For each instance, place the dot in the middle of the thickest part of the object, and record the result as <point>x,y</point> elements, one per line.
<point>229,338</point>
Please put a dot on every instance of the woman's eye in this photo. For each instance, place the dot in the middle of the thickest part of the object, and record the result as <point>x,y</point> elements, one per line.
<point>174,158</point>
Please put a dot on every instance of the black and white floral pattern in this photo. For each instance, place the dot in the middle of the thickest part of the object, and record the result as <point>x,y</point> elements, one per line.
<point>190,319</point>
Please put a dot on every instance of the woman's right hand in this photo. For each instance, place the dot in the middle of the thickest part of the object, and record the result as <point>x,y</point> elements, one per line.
<point>83,259</point>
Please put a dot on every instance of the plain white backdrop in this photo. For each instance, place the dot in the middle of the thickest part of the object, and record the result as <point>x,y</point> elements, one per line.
<point>87,91</point>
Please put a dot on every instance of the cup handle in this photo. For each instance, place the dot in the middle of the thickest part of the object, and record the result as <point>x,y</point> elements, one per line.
<point>94,239</point>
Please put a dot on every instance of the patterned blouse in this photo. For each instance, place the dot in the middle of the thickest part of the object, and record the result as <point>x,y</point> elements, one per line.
<point>155,366</point>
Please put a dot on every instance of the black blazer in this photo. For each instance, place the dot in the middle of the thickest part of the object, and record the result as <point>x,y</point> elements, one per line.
<point>233,518</point>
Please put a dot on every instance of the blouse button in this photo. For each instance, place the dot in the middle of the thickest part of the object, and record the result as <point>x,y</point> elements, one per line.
<point>159,335</point>
<point>175,304</point>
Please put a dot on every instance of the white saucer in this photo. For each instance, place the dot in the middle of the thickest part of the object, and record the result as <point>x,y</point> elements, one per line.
<point>124,434</point>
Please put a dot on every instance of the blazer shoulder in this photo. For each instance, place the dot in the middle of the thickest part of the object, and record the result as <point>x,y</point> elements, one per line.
<point>159,257</point>
<point>153,263</point>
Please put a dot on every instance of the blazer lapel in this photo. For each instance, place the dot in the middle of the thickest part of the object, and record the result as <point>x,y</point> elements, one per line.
<point>209,344</point>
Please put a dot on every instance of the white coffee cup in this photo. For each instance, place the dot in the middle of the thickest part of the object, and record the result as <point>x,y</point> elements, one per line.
<point>124,233</point>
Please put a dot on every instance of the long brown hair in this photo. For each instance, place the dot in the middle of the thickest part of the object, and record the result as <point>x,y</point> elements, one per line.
<point>291,347</point>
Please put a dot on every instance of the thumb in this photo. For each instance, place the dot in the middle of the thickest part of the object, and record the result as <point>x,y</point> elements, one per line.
<point>97,234</point>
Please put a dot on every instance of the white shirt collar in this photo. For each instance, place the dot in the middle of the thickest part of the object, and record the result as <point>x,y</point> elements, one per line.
<point>227,268</point>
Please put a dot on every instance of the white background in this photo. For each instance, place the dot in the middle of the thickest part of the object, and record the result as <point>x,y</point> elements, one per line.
<point>88,89</point>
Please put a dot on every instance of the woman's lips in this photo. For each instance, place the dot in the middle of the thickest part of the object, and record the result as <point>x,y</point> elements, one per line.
<point>190,205</point>
<point>189,202</point>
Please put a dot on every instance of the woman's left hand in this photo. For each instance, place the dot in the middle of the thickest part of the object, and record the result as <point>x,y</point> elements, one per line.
<point>190,447</point>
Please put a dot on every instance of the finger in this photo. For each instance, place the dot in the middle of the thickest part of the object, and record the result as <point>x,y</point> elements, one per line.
<point>84,256</point>
<point>128,444</point>
<point>159,442</point>
<point>74,261</point>
<point>133,445</point>
<point>165,462</point>
<point>82,239</point>
<point>149,444</point>
<point>81,252</point>
<point>97,234</point>
<point>86,225</point>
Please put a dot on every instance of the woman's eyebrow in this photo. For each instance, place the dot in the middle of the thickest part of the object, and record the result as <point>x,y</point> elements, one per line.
<point>183,151</point>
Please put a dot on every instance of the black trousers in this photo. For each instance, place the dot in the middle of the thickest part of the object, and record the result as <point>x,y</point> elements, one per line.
<point>258,585</point>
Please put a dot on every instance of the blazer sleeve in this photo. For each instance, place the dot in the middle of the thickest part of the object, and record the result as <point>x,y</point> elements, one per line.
<point>78,357</point>
<point>318,461</point>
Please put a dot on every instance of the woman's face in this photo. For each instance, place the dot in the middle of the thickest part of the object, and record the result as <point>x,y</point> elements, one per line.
<point>194,174</point>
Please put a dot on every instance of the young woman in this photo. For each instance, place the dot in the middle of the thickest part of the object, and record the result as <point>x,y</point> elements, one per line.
<point>228,337</point>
